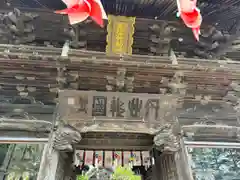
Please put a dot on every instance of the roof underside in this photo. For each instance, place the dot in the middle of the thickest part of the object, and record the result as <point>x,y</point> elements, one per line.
<point>222,13</point>
<point>220,31</point>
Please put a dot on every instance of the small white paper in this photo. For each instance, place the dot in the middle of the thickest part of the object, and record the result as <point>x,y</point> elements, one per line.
<point>71,101</point>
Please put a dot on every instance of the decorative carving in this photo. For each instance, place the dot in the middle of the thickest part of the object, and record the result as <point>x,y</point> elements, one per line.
<point>120,78</point>
<point>73,35</point>
<point>19,100</point>
<point>65,137</point>
<point>177,84</point>
<point>25,125</point>
<point>61,78</point>
<point>233,96</point>
<point>117,107</point>
<point>212,131</point>
<point>75,73</point>
<point>120,82</point>
<point>115,140</point>
<point>18,113</point>
<point>215,43</point>
<point>235,86</point>
<point>168,138</point>
<point>160,38</point>
<point>16,27</point>
<point>129,84</point>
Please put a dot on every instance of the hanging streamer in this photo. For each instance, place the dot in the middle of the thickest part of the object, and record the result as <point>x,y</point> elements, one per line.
<point>137,158</point>
<point>190,15</point>
<point>99,158</point>
<point>89,157</point>
<point>79,158</point>
<point>80,10</point>
<point>108,162</point>
<point>107,158</point>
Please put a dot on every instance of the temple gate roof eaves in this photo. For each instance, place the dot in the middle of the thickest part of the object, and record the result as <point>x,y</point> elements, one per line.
<point>151,37</point>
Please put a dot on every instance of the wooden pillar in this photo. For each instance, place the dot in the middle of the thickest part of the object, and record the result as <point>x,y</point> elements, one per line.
<point>182,163</point>
<point>54,158</point>
<point>49,163</point>
<point>55,166</point>
<point>165,167</point>
<point>172,166</point>
<point>172,163</point>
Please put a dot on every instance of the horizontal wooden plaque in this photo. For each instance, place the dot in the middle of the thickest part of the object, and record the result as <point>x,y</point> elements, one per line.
<point>115,111</point>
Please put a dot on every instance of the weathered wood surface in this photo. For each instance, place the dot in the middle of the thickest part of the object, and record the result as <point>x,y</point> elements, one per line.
<point>19,110</point>
<point>215,122</point>
<point>154,37</point>
<point>116,112</point>
<point>106,159</point>
<point>115,140</point>
<point>40,71</point>
<point>23,114</point>
<point>26,78</point>
<point>167,167</point>
<point>208,113</point>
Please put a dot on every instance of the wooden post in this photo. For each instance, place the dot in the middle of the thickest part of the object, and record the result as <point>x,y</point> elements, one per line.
<point>172,166</point>
<point>182,163</point>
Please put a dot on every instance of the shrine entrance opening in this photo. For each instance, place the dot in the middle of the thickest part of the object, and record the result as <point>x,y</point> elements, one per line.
<point>102,152</point>
<point>117,130</point>
<point>105,162</point>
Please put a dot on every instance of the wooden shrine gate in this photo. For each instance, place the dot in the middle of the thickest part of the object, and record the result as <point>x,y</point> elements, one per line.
<point>116,120</point>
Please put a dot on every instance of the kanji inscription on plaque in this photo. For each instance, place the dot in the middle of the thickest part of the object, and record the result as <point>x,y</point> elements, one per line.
<point>99,106</point>
<point>134,107</point>
<point>117,107</point>
<point>152,106</point>
<point>116,110</point>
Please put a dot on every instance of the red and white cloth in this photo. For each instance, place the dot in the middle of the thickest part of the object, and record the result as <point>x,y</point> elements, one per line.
<point>80,10</point>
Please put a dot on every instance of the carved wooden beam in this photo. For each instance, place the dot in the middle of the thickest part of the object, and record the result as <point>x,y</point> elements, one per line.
<point>120,82</point>
<point>25,125</point>
<point>28,77</point>
<point>167,139</point>
<point>215,122</point>
<point>32,27</point>
<point>65,137</point>
<point>44,28</point>
<point>215,43</point>
<point>203,80</point>
<point>24,114</point>
<point>115,140</point>
<point>212,132</point>
<point>17,27</point>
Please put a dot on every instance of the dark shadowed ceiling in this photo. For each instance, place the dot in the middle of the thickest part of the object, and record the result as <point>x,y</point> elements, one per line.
<point>221,13</point>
